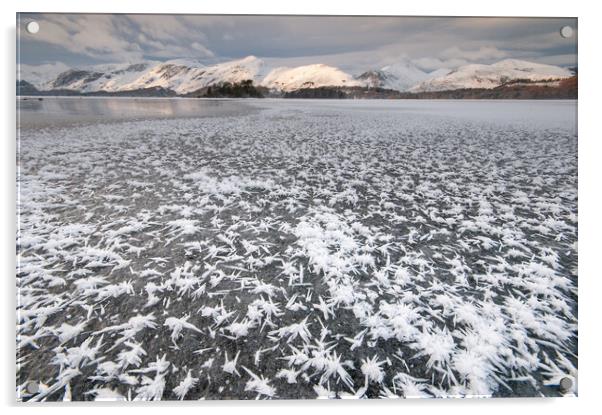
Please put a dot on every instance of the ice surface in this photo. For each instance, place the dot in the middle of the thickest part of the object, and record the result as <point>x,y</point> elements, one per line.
<point>304,249</point>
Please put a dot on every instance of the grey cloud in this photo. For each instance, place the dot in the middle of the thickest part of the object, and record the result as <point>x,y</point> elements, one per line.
<point>352,43</point>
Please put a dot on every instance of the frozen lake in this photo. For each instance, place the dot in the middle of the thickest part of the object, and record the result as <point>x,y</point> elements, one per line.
<point>59,111</point>
<point>296,249</point>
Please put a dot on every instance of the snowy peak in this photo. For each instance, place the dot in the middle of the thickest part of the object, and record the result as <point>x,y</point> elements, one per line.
<point>239,70</point>
<point>309,76</point>
<point>492,76</point>
<point>184,76</point>
<point>404,69</point>
<point>399,76</point>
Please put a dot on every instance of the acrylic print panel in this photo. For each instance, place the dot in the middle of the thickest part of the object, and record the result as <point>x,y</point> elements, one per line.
<point>295,207</point>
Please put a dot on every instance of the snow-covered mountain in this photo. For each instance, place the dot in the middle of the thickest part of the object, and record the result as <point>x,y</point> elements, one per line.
<point>97,78</point>
<point>399,76</point>
<point>181,76</point>
<point>39,75</point>
<point>185,76</point>
<point>309,76</point>
<point>491,76</point>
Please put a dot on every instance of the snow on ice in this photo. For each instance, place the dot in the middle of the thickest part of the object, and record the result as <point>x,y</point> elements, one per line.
<point>306,250</point>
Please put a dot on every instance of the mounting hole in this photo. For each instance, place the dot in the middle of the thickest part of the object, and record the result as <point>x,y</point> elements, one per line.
<point>32,387</point>
<point>566,32</point>
<point>33,27</point>
<point>566,384</point>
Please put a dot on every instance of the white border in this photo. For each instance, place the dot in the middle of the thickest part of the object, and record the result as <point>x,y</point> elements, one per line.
<point>590,178</point>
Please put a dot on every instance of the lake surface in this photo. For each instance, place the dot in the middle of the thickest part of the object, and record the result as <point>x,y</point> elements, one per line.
<point>296,248</point>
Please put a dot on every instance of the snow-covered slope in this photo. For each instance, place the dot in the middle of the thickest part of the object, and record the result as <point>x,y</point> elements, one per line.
<point>309,76</point>
<point>179,75</point>
<point>184,77</point>
<point>491,76</point>
<point>403,75</point>
<point>399,76</point>
<point>98,78</point>
<point>40,75</point>
<point>438,72</point>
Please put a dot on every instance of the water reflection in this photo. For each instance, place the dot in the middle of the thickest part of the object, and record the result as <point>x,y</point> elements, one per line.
<point>55,111</point>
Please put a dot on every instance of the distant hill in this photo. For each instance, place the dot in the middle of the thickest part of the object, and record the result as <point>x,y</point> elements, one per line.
<point>475,76</point>
<point>519,89</point>
<point>399,76</point>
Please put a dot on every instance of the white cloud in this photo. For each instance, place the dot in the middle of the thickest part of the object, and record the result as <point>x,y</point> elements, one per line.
<point>561,60</point>
<point>455,56</point>
<point>484,53</point>
<point>431,64</point>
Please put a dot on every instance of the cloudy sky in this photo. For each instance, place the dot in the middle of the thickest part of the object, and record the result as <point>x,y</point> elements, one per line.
<point>351,43</point>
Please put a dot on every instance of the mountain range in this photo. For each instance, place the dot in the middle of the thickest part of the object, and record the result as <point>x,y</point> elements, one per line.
<point>185,76</point>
